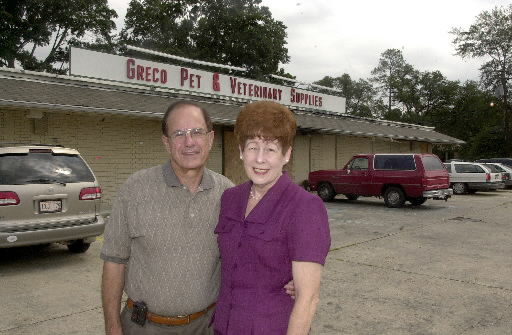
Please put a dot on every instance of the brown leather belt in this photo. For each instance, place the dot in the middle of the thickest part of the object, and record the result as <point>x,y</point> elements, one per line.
<point>179,320</point>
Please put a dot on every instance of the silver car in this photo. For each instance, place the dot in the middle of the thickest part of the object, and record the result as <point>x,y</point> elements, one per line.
<point>48,194</point>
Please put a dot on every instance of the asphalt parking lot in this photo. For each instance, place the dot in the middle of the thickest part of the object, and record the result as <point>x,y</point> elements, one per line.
<point>441,268</point>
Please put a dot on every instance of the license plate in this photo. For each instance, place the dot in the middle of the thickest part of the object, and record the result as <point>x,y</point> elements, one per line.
<point>50,206</point>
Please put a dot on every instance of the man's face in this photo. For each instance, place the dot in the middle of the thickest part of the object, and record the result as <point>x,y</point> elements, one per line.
<point>187,140</point>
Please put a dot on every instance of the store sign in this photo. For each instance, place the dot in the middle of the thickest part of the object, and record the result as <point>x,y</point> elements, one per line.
<point>99,65</point>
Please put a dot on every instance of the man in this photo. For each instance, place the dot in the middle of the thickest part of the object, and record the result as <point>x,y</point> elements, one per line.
<point>159,243</point>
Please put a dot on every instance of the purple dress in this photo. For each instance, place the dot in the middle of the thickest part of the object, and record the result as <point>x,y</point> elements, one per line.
<point>288,224</point>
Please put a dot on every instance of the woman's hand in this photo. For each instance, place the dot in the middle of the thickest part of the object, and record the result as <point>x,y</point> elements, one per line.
<point>290,289</point>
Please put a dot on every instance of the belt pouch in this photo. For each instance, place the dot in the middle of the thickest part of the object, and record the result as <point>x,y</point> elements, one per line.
<point>139,313</point>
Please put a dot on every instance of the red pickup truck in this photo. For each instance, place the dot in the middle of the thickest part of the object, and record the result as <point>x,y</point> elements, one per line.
<point>395,177</point>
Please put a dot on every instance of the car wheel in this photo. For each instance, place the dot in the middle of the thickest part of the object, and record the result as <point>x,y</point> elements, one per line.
<point>394,197</point>
<point>351,196</point>
<point>459,188</point>
<point>417,201</point>
<point>305,185</point>
<point>78,246</point>
<point>326,192</point>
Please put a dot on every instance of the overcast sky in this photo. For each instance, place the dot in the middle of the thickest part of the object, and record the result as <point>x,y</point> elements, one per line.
<point>332,37</point>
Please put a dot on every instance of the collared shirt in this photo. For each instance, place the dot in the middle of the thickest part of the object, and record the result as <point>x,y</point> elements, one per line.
<point>288,224</point>
<point>164,235</point>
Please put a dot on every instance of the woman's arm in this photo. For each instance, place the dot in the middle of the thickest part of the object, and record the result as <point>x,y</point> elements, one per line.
<point>306,278</point>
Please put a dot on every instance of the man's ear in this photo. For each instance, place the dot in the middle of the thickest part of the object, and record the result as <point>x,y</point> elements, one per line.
<point>211,136</point>
<point>167,145</point>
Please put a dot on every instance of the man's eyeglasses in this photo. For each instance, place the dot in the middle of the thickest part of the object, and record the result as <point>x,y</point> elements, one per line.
<point>195,133</point>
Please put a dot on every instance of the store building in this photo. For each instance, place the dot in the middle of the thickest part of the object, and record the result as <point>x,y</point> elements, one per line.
<point>110,108</point>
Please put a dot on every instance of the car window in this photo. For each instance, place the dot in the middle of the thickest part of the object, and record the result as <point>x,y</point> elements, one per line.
<point>431,163</point>
<point>359,164</point>
<point>448,167</point>
<point>468,168</point>
<point>394,162</point>
<point>43,168</point>
<point>493,168</point>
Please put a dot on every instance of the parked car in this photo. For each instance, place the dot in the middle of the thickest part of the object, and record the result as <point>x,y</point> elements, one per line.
<point>395,177</point>
<point>48,194</point>
<point>504,161</point>
<point>505,170</point>
<point>468,177</point>
<point>455,160</point>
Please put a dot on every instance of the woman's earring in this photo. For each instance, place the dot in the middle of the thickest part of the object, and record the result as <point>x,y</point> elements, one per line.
<point>241,157</point>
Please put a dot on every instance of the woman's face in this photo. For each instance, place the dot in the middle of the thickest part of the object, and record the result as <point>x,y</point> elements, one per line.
<point>264,161</point>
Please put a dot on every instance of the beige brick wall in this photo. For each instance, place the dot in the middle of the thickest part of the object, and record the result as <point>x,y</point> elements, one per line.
<point>300,158</point>
<point>380,146</point>
<point>233,167</point>
<point>421,147</point>
<point>323,152</point>
<point>349,146</point>
<point>215,158</point>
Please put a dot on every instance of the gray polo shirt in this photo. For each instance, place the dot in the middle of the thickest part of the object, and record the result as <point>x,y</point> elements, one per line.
<point>164,234</point>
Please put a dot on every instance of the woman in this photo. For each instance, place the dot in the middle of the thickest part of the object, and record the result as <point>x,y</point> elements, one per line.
<point>269,232</point>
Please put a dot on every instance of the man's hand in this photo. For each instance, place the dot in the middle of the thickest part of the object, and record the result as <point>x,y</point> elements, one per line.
<point>290,289</point>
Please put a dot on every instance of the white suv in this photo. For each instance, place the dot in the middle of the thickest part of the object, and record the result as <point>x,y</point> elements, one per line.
<point>468,177</point>
<point>47,194</point>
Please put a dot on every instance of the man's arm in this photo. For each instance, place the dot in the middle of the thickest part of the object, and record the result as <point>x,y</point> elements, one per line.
<point>112,284</point>
<point>306,278</point>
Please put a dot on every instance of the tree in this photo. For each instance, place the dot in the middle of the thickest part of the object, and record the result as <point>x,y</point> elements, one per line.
<point>470,118</point>
<point>389,74</point>
<point>361,97</point>
<point>491,37</point>
<point>426,93</point>
<point>240,33</point>
<point>26,25</point>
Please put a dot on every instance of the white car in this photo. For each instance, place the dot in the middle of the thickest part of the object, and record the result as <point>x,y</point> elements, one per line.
<point>468,177</point>
<point>505,170</point>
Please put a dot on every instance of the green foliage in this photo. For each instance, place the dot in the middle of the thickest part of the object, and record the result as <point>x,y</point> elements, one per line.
<point>490,37</point>
<point>390,74</point>
<point>410,94</point>
<point>487,143</point>
<point>26,25</point>
<point>474,120</point>
<point>235,32</point>
<point>361,96</point>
